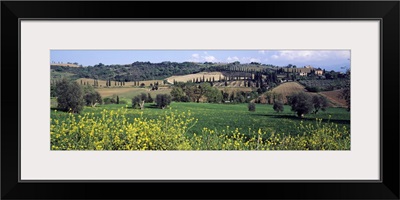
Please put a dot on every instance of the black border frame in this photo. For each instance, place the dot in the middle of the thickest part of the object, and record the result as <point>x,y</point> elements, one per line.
<point>386,11</point>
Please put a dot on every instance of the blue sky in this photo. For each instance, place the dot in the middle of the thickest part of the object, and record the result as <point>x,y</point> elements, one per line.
<point>327,59</point>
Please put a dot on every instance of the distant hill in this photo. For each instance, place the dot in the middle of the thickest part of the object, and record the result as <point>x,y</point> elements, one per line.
<point>140,71</point>
<point>63,65</point>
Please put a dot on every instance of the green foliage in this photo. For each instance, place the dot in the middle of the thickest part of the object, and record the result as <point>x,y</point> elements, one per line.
<point>91,96</point>
<point>169,132</point>
<point>69,96</point>
<point>149,98</point>
<point>301,103</point>
<point>346,90</point>
<point>139,100</point>
<point>213,95</point>
<point>233,115</point>
<point>53,89</point>
<point>163,100</point>
<point>252,107</point>
<point>278,106</point>
<point>313,89</point>
<point>109,100</point>
<point>123,102</point>
<point>178,94</point>
<point>319,102</point>
<point>323,84</point>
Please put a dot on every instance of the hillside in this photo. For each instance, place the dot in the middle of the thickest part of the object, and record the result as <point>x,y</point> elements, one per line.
<point>63,65</point>
<point>139,71</point>
<point>334,98</point>
<point>289,88</point>
<point>206,75</point>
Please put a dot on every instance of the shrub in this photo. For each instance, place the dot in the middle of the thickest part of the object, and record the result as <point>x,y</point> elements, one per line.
<point>313,89</point>
<point>122,101</point>
<point>109,100</point>
<point>301,103</point>
<point>252,106</point>
<point>163,100</point>
<point>319,103</point>
<point>138,102</point>
<point>149,98</point>
<point>278,106</point>
<point>69,96</point>
<point>91,96</point>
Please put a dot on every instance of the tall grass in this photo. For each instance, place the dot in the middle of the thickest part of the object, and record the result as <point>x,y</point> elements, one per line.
<point>113,130</point>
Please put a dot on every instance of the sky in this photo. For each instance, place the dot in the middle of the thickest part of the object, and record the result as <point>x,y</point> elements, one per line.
<point>338,60</point>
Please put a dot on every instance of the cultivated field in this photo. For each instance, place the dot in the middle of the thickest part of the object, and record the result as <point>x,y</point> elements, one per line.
<point>130,92</point>
<point>287,89</point>
<point>190,77</point>
<point>207,127</point>
<point>334,98</point>
<point>102,83</point>
<point>234,89</point>
<point>230,84</point>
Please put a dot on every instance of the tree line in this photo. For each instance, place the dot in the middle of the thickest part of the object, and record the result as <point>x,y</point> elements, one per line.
<point>72,97</point>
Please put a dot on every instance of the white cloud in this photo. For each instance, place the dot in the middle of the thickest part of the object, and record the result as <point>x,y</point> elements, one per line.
<point>202,58</point>
<point>310,55</point>
<point>254,60</point>
<point>195,55</point>
<point>210,58</point>
<point>249,59</point>
<point>275,56</point>
<point>231,59</point>
<point>261,52</point>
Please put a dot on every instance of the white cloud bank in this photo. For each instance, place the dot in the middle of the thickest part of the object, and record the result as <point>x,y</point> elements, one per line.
<point>202,58</point>
<point>303,56</point>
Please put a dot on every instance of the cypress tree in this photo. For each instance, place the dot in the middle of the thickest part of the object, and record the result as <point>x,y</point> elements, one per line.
<point>81,82</point>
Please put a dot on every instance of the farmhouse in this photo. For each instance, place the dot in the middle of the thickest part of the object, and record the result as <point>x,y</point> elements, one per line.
<point>319,72</point>
<point>303,73</point>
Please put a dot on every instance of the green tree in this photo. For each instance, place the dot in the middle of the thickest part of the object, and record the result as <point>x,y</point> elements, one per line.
<point>117,99</point>
<point>138,102</point>
<point>346,90</point>
<point>149,98</point>
<point>301,103</point>
<point>69,96</point>
<point>213,95</point>
<point>91,97</point>
<point>143,96</point>
<point>163,100</point>
<point>319,103</point>
<point>278,106</point>
<point>53,88</point>
<point>178,94</point>
<point>252,106</point>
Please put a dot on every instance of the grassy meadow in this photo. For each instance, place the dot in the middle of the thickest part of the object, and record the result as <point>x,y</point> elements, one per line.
<point>197,126</point>
<point>221,116</point>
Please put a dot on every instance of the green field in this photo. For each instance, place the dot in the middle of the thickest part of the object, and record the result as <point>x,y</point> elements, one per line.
<point>221,116</point>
